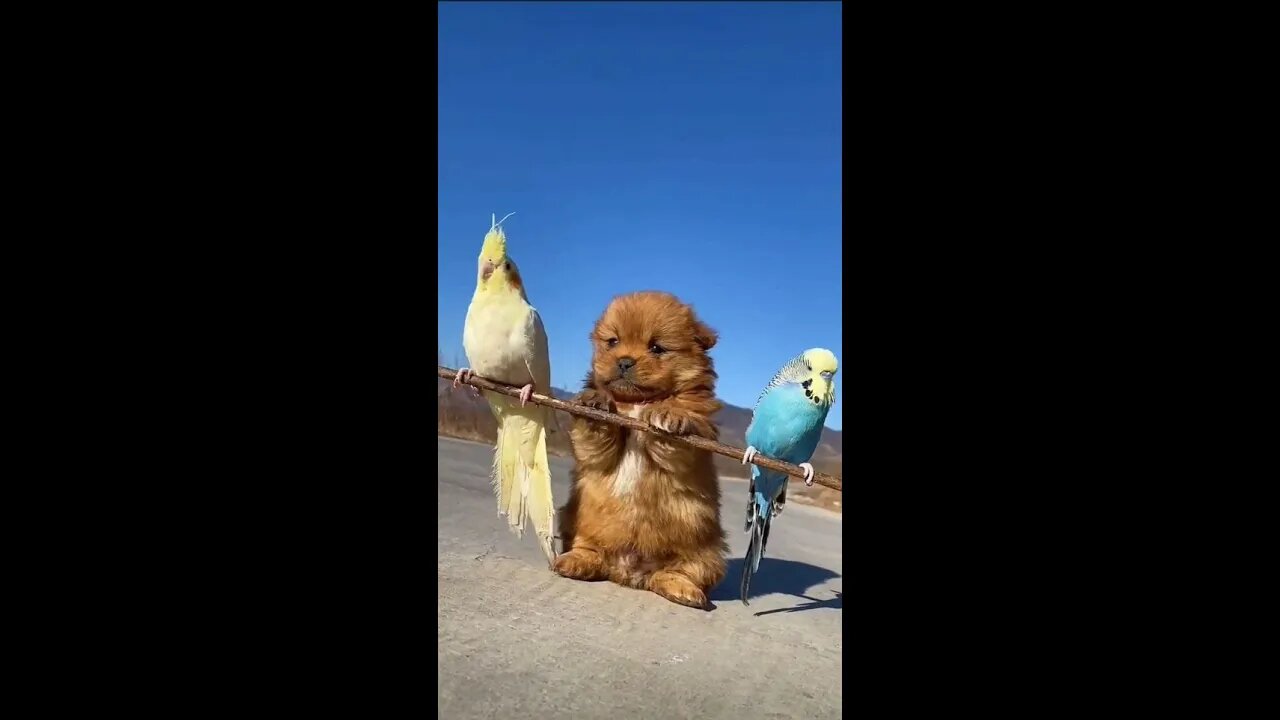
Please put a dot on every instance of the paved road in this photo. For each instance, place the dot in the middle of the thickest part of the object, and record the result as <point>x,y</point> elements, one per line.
<point>516,640</point>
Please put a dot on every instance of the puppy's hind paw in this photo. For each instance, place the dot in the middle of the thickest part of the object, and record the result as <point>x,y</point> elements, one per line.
<point>579,564</point>
<point>678,589</point>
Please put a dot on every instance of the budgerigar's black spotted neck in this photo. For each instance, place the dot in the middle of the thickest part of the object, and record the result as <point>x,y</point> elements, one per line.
<point>809,393</point>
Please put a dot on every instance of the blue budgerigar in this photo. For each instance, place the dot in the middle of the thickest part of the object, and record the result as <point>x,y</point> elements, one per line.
<point>786,425</point>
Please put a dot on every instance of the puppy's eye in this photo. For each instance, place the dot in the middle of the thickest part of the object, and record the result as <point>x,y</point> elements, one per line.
<point>611,342</point>
<point>657,349</point>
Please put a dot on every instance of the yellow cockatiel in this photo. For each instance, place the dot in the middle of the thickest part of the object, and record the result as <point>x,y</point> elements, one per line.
<point>505,341</point>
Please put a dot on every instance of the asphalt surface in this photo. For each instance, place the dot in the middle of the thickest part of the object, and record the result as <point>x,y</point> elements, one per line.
<point>514,639</point>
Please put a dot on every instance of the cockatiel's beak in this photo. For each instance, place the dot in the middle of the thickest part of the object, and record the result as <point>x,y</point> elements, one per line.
<point>486,269</point>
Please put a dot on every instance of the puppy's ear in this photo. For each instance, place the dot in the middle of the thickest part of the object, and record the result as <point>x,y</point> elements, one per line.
<point>704,335</point>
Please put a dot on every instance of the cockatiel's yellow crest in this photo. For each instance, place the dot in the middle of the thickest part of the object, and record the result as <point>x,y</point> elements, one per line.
<point>497,272</point>
<point>505,341</point>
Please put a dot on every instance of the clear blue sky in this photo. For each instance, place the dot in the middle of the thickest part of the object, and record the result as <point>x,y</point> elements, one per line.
<point>687,147</point>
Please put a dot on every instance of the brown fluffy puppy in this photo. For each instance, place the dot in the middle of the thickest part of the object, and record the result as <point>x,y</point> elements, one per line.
<point>644,510</point>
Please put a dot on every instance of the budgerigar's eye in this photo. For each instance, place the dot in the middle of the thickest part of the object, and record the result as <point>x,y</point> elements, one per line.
<point>611,342</point>
<point>657,349</point>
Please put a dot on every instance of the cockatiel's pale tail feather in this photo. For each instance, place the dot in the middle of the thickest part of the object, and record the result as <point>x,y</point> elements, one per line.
<point>521,473</point>
<point>505,341</point>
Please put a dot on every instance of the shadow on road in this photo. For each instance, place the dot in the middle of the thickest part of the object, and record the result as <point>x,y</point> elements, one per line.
<point>836,603</point>
<point>777,576</point>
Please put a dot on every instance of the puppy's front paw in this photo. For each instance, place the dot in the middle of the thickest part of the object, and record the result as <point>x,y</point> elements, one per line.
<point>679,422</point>
<point>596,399</point>
<point>673,421</point>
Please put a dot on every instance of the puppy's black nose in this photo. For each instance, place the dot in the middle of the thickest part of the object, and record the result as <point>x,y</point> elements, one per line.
<point>626,363</point>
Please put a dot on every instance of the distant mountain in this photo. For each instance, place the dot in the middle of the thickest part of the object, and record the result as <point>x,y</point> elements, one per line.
<point>461,414</point>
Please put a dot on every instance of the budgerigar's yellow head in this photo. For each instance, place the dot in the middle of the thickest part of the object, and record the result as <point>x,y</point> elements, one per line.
<point>814,371</point>
<point>820,375</point>
<point>497,272</point>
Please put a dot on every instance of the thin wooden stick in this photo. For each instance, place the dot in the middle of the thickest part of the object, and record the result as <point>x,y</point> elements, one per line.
<point>701,443</point>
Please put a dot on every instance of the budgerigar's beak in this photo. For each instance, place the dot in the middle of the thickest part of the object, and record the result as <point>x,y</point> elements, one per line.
<point>486,269</point>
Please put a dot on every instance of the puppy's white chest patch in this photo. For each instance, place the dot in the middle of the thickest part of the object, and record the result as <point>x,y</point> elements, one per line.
<point>632,464</point>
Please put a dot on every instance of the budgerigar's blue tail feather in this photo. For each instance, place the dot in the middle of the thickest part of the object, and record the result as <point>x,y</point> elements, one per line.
<point>759,519</point>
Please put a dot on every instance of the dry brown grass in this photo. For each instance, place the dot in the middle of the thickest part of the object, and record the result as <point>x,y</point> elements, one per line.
<point>462,415</point>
